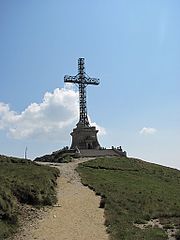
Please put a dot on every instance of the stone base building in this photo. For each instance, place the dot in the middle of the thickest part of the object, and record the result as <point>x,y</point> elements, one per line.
<point>84,137</point>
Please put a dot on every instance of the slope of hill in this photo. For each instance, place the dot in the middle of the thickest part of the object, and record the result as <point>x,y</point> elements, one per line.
<point>141,200</point>
<point>23,181</point>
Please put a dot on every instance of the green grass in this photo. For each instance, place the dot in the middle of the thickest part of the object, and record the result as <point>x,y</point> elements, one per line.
<point>23,181</point>
<point>134,191</point>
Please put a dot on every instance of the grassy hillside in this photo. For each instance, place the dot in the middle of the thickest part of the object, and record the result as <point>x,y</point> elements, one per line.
<point>23,181</point>
<point>133,192</point>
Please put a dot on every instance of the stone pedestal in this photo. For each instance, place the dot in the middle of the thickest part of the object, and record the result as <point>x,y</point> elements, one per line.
<point>84,137</point>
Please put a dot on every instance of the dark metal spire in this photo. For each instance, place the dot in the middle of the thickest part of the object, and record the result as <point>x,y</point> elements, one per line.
<point>82,79</point>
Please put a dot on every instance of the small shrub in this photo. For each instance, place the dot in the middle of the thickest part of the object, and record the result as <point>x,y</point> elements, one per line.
<point>102,203</point>
<point>168,226</point>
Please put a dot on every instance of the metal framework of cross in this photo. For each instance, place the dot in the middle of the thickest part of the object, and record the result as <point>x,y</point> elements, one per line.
<point>82,79</point>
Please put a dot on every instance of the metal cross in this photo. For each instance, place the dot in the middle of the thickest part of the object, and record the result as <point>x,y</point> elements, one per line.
<point>82,79</point>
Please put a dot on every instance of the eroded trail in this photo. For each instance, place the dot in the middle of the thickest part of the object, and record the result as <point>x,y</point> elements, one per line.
<point>78,216</point>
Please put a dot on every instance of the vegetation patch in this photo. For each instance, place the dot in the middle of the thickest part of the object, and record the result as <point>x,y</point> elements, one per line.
<point>23,181</point>
<point>134,192</point>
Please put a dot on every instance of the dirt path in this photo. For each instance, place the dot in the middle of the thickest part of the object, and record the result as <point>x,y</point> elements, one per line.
<point>77,215</point>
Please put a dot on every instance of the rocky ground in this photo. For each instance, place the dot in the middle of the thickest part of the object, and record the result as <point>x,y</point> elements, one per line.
<point>76,216</point>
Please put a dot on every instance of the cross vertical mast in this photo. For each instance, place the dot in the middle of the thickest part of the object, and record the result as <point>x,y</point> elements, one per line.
<point>83,119</point>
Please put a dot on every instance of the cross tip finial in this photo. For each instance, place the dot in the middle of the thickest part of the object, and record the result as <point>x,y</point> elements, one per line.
<point>81,65</point>
<point>81,60</point>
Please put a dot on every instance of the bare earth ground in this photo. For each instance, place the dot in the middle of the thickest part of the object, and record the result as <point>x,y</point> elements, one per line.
<point>77,215</point>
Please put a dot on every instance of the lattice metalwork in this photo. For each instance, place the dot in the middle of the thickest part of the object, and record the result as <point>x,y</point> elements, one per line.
<point>82,79</point>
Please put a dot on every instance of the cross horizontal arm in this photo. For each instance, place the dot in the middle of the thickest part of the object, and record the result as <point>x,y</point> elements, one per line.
<point>77,79</point>
<point>93,81</point>
<point>71,79</point>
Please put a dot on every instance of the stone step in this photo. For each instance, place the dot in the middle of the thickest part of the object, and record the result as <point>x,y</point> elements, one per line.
<point>99,153</point>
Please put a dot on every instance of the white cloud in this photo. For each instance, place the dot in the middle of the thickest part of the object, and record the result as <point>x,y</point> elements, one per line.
<point>148,131</point>
<point>53,118</point>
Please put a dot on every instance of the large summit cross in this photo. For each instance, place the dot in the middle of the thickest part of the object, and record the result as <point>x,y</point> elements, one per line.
<point>84,136</point>
<point>82,79</point>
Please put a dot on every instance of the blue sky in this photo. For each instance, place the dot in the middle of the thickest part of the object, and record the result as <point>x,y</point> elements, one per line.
<point>132,46</point>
